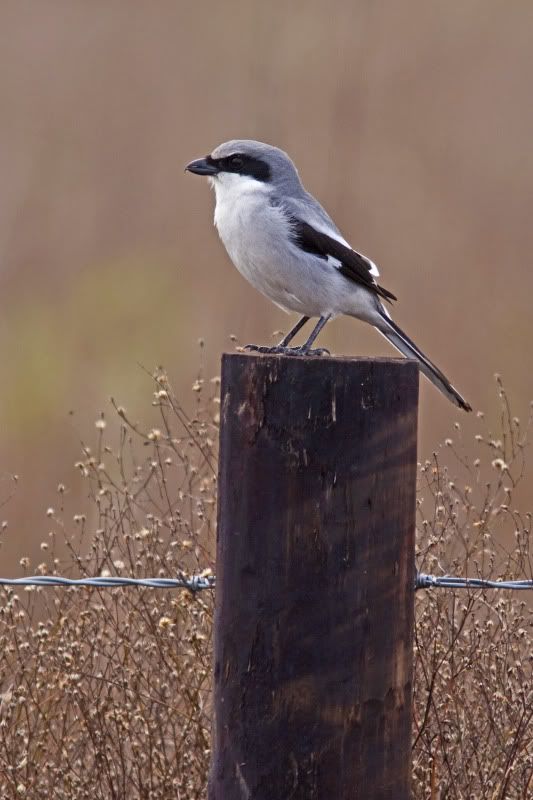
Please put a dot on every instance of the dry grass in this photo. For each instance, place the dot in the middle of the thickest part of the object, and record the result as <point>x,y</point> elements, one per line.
<point>473,733</point>
<point>106,693</point>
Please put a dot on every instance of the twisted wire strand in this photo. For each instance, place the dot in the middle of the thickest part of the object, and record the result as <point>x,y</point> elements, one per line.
<point>195,583</point>
<point>424,581</point>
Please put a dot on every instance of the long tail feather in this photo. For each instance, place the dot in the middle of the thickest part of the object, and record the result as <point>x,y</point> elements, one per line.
<point>408,348</point>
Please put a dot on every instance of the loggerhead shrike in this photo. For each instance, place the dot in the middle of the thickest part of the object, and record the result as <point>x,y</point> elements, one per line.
<point>281,239</point>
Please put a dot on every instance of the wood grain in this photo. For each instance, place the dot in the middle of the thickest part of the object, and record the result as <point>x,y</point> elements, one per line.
<point>315,579</point>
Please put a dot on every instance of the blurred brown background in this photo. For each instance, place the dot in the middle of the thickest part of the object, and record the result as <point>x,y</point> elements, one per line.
<point>412,122</point>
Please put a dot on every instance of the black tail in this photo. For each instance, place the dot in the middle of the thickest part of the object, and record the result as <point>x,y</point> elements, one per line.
<point>408,348</point>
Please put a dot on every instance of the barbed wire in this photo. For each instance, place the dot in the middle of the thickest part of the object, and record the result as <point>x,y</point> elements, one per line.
<point>194,583</point>
<point>198,583</point>
<point>424,581</point>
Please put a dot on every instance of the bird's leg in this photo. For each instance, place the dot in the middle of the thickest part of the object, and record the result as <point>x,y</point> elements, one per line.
<point>292,333</point>
<point>305,349</point>
<point>282,346</point>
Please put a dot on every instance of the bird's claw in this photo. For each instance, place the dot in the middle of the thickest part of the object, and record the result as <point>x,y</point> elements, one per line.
<point>319,351</point>
<point>261,348</point>
<point>286,351</point>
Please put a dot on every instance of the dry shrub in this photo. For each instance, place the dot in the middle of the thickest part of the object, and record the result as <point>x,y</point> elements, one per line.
<point>473,699</point>
<point>106,693</point>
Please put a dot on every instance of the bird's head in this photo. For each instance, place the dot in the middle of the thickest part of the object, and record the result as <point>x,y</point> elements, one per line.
<point>239,161</point>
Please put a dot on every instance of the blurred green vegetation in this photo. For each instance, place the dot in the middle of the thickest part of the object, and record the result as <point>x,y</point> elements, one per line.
<point>113,317</point>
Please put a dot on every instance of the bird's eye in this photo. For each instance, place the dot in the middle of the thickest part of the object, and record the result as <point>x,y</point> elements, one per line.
<point>236,162</point>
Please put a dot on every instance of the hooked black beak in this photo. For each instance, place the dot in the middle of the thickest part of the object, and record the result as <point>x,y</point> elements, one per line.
<point>202,167</point>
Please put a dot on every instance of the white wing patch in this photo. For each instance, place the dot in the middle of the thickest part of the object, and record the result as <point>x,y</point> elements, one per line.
<point>373,269</point>
<point>335,262</point>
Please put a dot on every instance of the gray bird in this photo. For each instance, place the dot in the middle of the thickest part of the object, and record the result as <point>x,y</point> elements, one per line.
<point>281,239</point>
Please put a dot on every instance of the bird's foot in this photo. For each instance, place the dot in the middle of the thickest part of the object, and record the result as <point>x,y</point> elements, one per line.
<point>319,351</point>
<point>276,349</point>
<point>286,351</point>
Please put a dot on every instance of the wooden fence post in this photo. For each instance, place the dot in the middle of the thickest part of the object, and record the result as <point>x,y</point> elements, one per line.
<point>315,579</point>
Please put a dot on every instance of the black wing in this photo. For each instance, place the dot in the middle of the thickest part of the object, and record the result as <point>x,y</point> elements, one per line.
<point>352,265</point>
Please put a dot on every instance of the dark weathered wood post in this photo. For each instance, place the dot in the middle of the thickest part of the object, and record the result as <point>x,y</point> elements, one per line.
<point>315,579</point>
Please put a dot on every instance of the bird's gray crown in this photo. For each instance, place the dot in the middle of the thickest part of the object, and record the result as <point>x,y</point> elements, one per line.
<point>272,164</point>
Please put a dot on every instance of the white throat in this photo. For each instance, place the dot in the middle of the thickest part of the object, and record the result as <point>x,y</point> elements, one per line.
<point>230,184</point>
<point>234,193</point>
